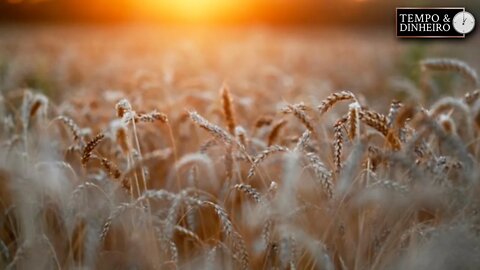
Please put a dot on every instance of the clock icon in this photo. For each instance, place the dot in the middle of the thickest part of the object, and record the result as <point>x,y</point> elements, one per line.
<point>463,22</point>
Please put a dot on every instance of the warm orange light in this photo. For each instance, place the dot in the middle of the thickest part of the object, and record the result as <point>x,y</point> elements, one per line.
<point>194,10</point>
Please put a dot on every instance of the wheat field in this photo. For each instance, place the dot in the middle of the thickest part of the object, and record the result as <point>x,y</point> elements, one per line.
<point>145,148</point>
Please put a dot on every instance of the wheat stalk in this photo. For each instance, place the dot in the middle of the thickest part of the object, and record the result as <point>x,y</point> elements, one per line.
<point>214,130</point>
<point>241,134</point>
<point>275,131</point>
<point>302,141</point>
<point>332,99</point>
<point>237,240</point>
<point>376,120</point>
<point>229,163</point>
<point>353,120</point>
<point>338,143</point>
<point>446,64</point>
<point>250,191</point>
<point>448,124</point>
<point>263,121</point>
<point>321,172</point>
<point>151,117</point>
<point>262,156</point>
<point>88,185</point>
<point>207,145</point>
<point>115,213</point>
<point>160,154</point>
<point>227,104</point>
<point>449,103</point>
<point>111,168</point>
<point>73,127</point>
<point>171,218</point>
<point>395,106</point>
<point>37,102</point>
<point>122,107</point>
<point>87,151</point>
<point>391,185</point>
<point>188,233</point>
<point>301,115</point>
<point>471,97</point>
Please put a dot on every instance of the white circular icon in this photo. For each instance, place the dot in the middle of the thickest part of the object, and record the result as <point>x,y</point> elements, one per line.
<point>464,22</point>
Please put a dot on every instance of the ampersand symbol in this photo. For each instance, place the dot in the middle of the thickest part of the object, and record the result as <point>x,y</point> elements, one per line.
<point>445,18</point>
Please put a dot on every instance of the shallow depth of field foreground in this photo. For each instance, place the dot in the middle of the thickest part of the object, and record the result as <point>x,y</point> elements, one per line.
<point>140,148</point>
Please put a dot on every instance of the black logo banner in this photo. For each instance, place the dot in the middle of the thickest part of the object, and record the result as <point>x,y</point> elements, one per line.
<point>427,22</point>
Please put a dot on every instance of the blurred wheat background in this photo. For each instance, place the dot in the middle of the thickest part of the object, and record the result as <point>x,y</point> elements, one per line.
<point>281,136</point>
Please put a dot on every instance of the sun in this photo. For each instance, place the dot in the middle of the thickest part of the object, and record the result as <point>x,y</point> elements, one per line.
<point>194,10</point>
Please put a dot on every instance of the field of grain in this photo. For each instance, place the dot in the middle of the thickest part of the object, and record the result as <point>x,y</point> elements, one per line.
<point>139,147</point>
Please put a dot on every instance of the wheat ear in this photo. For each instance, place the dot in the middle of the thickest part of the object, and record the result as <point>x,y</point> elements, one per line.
<point>354,121</point>
<point>250,191</point>
<point>87,151</point>
<point>301,115</point>
<point>447,64</point>
<point>471,97</point>
<point>228,113</point>
<point>332,99</point>
<point>214,130</point>
<point>275,131</point>
<point>263,155</point>
<point>322,174</point>
<point>395,106</point>
<point>72,126</point>
<point>338,143</point>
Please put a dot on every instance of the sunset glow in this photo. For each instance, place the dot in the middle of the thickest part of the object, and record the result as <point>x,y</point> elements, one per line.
<point>192,12</point>
<point>195,10</point>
